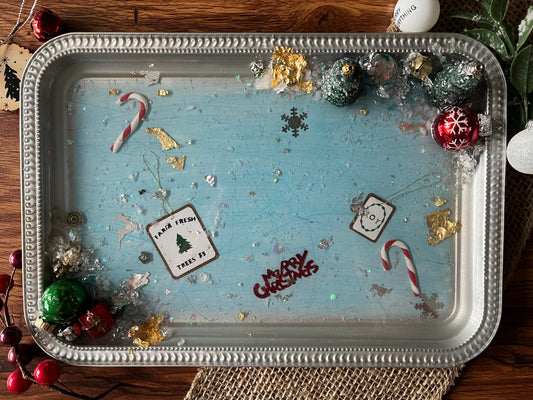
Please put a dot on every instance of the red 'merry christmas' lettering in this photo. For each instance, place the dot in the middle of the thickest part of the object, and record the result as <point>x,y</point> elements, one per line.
<point>289,271</point>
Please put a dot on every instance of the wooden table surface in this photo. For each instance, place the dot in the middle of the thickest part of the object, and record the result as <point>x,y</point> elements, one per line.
<point>503,371</point>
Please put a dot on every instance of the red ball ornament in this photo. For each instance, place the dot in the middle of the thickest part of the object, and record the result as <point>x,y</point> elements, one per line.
<point>47,372</point>
<point>16,382</point>
<point>456,128</point>
<point>45,24</point>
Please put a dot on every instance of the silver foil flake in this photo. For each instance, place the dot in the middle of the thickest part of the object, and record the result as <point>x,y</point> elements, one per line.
<point>161,194</point>
<point>325,243</point>
<point>129,293</point>
<point>151,77</point>
<point>485,125</point>
<point>138,280</point>
<point>68,334</point>
<point>211,179</point>
<point>257,68</point>
<point>204,277</point>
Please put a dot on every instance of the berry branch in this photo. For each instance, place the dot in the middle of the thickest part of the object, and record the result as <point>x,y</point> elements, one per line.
<point>47,372</point>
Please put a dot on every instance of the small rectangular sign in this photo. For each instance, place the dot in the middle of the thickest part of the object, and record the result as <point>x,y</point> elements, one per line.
<point>374,218</point>
<point>182,241</point>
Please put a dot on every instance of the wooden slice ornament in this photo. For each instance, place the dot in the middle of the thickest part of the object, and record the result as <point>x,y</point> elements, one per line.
<point>13,60</point>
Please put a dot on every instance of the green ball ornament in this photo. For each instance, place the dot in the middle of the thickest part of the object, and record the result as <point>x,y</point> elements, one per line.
<point>343,82</point>
<point>63,301</point>
<point>455,83</point>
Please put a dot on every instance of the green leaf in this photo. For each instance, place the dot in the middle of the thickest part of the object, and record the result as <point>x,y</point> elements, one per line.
<point>490,39</point>
<point>498,8</point>
<point>470,17</point>
<point>522,71</point>
<point>485,4</point>
<point>525,28</point>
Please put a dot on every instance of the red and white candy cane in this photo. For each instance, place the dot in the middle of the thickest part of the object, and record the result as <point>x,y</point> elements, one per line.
<point>134,122</point>
<point>411,270</point>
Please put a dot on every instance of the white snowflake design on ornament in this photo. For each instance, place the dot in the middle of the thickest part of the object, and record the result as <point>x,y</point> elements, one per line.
<point>457,144</point>
<point>457,121</point>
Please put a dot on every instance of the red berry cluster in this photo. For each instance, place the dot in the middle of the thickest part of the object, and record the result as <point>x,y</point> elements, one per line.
<point>47,372</point>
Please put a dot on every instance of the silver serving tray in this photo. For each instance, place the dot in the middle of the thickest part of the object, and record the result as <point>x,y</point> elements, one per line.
<point>476,253</point>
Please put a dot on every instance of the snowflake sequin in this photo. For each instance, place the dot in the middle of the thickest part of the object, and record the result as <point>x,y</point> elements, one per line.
<point>294,122</point>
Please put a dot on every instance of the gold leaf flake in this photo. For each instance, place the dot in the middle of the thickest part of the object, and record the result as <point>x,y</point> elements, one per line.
<point>177,163</point>
<point>439,202</point>
<point>440,226</point>
<point>113,92</point>
<point>166,141</point>
<point>289,67</point>
<point>148,333</point>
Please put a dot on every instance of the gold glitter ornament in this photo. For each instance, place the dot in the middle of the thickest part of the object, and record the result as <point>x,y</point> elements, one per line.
<point>440,226</point>
<point>149,333</point>
<point>289,67</point>
<point>166,141</point>
<point>421,67</point>
<point>162,92</point>
<point>178,163</point>
<point>114,92</point>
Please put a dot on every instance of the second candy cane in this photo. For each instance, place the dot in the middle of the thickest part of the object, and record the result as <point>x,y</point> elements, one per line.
<point>411,270</point>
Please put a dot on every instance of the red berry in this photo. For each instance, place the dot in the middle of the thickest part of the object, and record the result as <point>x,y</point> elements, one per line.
<point>11,336</point>
<point>47,372</point>
<point>16,382</point>
<point>25,353</point>
<point>4,283</point>
<point>15,259</point>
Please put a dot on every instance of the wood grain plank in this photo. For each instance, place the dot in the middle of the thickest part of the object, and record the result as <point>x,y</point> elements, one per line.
<point>503,371</point>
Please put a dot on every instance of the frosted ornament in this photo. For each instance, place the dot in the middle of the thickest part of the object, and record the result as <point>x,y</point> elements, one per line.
<point>520,150</point>
<point>416,15</point>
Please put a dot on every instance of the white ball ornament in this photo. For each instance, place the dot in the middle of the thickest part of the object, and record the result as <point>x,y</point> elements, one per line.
<point>520,150</point>
<point>416,15</point>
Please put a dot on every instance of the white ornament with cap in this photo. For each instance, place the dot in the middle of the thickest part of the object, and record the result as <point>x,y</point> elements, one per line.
<point>416,15</point>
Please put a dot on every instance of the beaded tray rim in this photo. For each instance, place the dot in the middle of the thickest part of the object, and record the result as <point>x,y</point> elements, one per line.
<point>161,43</point>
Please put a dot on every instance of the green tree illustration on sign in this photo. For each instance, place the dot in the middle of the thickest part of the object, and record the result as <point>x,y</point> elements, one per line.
<point>183,244</point>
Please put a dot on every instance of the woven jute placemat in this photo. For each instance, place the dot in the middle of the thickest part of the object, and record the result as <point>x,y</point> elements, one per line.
<point>272,383</point>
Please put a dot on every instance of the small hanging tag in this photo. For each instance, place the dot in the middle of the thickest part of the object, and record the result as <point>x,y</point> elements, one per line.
<point>182,241</point>
<point>13,60</point>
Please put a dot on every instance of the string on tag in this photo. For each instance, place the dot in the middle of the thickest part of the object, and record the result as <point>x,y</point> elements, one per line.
<point>161,194</point>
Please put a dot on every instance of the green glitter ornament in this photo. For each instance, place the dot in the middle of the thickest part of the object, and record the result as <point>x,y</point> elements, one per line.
<point>455,83</point>
<point>343,82</point>
<point>63,301</point>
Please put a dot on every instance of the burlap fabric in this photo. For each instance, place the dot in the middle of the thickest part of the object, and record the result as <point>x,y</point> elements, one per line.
<point>272,383</point>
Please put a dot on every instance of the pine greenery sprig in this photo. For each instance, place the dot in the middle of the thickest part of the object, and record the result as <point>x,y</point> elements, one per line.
<point>513,52</point>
